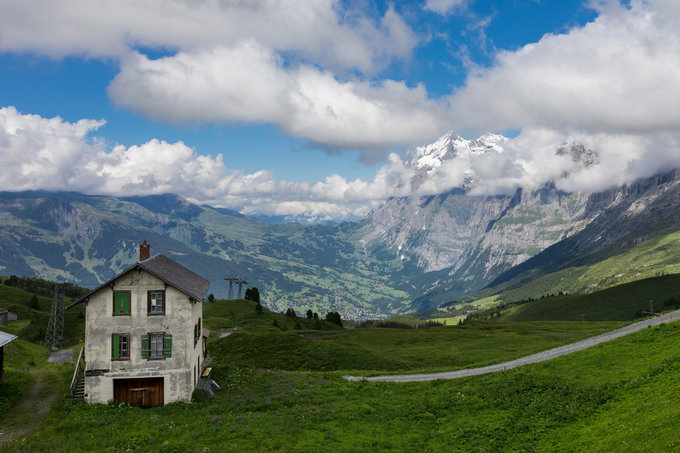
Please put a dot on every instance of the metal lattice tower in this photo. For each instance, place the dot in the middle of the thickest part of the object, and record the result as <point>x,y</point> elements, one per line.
<point>241,282</point>
<point>55,325</point>
<point>232,279</point>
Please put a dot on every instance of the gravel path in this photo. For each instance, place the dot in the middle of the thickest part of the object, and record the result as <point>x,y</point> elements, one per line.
<point>29,414</point>
<point>535,358</point>
<point>63,356</point>
<point>227,332</point>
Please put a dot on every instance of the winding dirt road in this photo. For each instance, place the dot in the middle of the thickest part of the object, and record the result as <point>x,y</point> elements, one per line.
<point>535,358</point>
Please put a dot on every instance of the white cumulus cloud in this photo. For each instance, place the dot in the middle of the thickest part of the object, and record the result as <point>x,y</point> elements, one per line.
<point>612,85</point>
<point>317,30</point>
<point>444,7</point>
<point>249,83</point>
<point>53,154</point>
<point>618,74</point>
<point>310,67</point>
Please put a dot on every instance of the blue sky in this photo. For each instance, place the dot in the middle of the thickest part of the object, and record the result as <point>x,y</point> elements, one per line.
<point>306,109</point>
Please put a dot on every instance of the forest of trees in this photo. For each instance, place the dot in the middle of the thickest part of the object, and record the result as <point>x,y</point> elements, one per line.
<point>44,287</point>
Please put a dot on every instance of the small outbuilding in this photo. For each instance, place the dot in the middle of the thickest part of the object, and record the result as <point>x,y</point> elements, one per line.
<point>6,315</point>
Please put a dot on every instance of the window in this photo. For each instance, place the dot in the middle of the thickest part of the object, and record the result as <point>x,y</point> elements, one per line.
<point>156,303</point>
<point>156,346</point>
<point>120,346</point>
<point>197,332</point>
<point>121,303</point>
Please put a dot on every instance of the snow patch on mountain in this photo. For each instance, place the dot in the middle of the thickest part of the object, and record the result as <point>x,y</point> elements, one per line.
<point>452,146</point>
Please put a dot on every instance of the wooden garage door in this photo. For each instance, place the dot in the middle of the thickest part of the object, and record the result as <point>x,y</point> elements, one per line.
<point>142,392</point>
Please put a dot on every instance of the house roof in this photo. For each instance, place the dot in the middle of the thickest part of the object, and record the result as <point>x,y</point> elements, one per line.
<point>177,275</point>
<point>168,270</point>
<point>6,338</point>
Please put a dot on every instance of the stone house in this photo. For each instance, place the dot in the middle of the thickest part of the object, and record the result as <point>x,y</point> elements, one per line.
<point>143,334</point>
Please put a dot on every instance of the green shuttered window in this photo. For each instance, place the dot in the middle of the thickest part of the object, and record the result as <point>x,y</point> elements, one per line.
<point>157,346</point>
<point>120,346</point>
<point>116,346</point>
<point>167,346</point>
<point>121,303</point>
<point>197,332</point>
<point>145,346</point>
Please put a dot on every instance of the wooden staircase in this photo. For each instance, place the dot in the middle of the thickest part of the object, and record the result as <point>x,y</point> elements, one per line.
<point>79,388</point>
<point>78,381</point>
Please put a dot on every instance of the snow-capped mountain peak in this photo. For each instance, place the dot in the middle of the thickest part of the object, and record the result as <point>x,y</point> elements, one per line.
<point>452,146</point>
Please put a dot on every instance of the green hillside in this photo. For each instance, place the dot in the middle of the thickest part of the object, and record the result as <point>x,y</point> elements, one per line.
<point>409,350</point>
<point>618,396</point>
<point>32,322</point>
<point>282,390</point>
<point>244,316</point>
<point>620,303</point>
<point>256,342</point>
<point>655,257</point>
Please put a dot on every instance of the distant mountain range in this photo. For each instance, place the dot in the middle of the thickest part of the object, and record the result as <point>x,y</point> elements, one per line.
<point>410,254</point>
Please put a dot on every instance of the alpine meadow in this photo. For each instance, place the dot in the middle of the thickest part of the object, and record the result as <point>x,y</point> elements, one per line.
<point>322,225</point>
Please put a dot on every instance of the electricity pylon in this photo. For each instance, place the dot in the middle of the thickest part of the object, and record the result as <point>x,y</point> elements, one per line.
<point>55,325</point>
<point>241,282</point>
<point>232,279</point>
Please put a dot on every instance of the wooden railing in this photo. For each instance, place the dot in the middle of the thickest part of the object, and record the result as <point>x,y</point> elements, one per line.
<point>79,364</point>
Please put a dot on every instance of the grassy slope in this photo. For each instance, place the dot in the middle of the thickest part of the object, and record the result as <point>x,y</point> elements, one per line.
<point>619,396</point>
<point>20,357</point>
<point>651,258</point>
<point>641,373</point>
<point>25,358</point>
<point>620,303</point>
<point>32,323</point>
<point>30,387</point>
<point>242,314</point>
<point>400,350</point>
<point>257,343</point>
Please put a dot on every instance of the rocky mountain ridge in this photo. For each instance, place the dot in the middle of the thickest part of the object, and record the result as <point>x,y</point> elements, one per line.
<point>410,254</point>
<point>621,218</point>
<point>469,240</point>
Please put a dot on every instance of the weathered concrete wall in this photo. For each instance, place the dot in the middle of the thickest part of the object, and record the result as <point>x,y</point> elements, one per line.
<point>179,319</point>
<point>7,315</point>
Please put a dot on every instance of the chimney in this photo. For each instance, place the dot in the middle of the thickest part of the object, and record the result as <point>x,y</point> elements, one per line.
<point>144,251</point>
